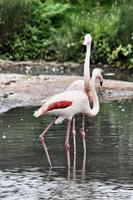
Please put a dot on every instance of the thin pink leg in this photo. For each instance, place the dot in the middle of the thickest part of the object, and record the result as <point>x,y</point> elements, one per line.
<point>82,131</point>
<point>67,145</point>
<point>74,140</point>
<point>83,166</point>
<point>41,137</point>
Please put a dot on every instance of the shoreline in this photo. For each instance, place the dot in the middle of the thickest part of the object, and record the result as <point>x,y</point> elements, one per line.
<point>18,90</point>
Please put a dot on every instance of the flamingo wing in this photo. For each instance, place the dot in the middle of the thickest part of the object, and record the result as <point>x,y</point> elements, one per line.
<point>59,105</point>
<point>52,106</point>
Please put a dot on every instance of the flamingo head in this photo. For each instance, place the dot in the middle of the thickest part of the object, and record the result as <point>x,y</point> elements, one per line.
<point>96,74</point>
<point>87,39</point>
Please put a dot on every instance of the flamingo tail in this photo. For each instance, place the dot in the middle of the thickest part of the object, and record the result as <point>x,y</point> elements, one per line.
<point>40,111</point>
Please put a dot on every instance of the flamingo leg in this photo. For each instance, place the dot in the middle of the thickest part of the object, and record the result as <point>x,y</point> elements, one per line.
<point>82,131</point>
<point>41,137</point>
<point>67,145</point>
<point>74,140</point>
<point>83,166</point>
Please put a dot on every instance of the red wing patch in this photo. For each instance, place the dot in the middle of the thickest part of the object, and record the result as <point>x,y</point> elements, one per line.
<point>59,105</point>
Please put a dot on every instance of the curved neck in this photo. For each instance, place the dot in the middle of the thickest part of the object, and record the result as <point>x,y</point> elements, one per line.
<point>87,69</point>
<point>95,109</point>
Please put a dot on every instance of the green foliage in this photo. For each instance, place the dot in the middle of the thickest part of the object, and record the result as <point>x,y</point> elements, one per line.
<point>31,35</point>
<point>123,51</point>
<point>54,29</point>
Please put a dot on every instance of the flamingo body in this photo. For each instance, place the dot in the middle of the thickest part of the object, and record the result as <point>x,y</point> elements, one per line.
<point>76,85</point>
<point>71,103</point>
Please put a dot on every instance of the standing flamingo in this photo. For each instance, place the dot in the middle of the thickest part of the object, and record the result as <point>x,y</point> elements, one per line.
<point>84,86</point>
<point>65,105</point>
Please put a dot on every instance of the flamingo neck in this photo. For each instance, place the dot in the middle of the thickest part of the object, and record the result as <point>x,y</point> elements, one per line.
<point>87,69</point>
<point>95,109</point>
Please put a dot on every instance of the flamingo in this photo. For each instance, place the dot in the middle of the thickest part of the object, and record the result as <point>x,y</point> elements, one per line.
<point>84,86</point>
<point>66,105</point>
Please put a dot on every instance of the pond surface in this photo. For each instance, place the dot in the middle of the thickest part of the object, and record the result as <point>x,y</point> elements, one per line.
<point>108,173</point>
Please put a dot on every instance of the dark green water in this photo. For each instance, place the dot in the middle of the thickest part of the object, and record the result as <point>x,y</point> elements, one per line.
<point>24,171</point>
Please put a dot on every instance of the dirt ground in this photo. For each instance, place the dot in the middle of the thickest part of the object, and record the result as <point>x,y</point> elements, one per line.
<point>26,90</point>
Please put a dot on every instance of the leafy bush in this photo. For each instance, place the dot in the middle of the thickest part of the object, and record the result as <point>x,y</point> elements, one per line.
<point>54,29</point>
<point>30,35</point>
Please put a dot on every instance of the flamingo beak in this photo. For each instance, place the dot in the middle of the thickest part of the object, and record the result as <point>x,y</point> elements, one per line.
<point>101,83</point>
<point>86,41</point>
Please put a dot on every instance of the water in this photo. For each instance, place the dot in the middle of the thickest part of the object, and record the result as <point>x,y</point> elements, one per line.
<point>108,173</point>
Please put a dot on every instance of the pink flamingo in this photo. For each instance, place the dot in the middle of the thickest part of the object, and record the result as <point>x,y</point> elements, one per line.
<point>85,86</point>
<point>65,105</point>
